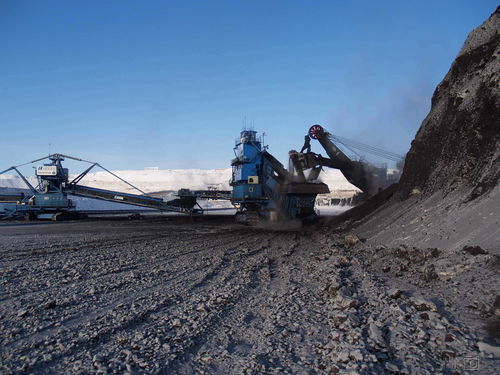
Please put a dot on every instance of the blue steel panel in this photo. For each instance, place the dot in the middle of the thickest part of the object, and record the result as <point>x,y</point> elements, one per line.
<point>250,151</point>
<point>248,170</point>
<point>246,191</point>
<point>51,200</point>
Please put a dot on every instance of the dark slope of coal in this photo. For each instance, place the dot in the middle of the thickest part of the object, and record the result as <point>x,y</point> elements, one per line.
<point>437,234</point>
<point>448,195</point>
<point>458,143</point>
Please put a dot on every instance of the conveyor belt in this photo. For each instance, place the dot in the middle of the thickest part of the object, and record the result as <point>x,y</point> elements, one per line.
<point>11,198</point>
<point>184,204</point>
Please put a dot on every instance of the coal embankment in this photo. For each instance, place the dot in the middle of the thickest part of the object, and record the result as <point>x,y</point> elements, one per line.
<point>437,233</point>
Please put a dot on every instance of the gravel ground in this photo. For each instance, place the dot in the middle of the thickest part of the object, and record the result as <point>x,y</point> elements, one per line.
<point>171,296</point>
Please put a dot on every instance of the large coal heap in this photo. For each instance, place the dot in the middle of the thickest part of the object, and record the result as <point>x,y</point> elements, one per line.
<point>457,145</point>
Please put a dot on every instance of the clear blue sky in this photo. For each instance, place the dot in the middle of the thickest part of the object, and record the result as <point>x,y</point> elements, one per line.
<point>133,84</point>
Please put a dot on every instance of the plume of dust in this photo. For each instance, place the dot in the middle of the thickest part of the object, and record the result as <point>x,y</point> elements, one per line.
<point>291,225</point>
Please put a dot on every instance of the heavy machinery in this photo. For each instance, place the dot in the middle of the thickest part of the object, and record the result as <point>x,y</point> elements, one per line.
<point>367,177</point>
<point>264,189</point>
<point>50,198</point>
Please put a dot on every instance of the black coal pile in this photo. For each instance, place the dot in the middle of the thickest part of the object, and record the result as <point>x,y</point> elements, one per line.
<point>437,233</point>
<point>458,144</point>
<point>449,194</point>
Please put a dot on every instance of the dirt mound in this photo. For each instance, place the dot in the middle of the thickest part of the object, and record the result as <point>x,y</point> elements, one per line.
<point>438,232</point>
<point>458,144</point>
<point>454,158</point>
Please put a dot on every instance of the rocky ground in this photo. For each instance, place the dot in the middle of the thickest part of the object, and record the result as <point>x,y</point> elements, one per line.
<point>161,296</point>
<point>405,284</point>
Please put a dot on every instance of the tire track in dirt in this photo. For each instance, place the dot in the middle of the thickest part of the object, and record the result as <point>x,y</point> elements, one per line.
<point>175,273</point>
<point>144,316</point>
<point>134,264</point>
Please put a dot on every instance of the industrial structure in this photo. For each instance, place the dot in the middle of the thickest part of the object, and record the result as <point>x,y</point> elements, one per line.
<point>50,198</point>
<point>262,188</point>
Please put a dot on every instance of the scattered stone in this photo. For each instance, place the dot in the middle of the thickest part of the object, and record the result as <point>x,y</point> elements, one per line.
<point>351,239</point>
<point>332,288</point>
<point>402,251</point>
<point>339,318</point>
<point>356,355</point>
<point>431,253</point>
<point>206,358</point>
<point>22,313</point>
<point>341,261</point>
<point>176,323</point>
<point>335,335</point>
<point>344,302</point>
<point>50,305</point>
<point>201,308</point>
<point>375,333</point>
<point>447,354</point>
<point>392,367</point>
<point>416,191</point>
<point>394,293</point>
<point>475,250</point>
<point>422,305</point>
<point>343,356</point>
<point>429,273</point>
<point>424,316</point>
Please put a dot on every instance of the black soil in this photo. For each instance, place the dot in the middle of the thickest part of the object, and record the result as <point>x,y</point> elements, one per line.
<point>438,232</point>
<point>458,142</point>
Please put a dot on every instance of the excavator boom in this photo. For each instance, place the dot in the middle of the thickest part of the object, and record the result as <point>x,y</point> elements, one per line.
<point>366,177</point>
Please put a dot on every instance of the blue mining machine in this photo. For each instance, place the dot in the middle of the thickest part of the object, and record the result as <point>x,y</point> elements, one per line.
<point>264,189</point>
